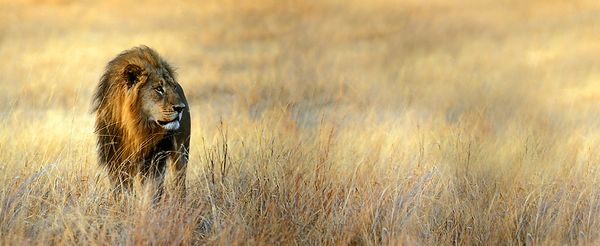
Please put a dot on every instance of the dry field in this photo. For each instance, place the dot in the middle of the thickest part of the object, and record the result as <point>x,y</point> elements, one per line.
<point>315,122</point>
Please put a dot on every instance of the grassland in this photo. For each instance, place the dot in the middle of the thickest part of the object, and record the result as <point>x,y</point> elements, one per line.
<point>315,122</point>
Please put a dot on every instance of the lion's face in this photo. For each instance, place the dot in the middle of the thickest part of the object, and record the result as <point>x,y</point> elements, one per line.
<point>160,102</point>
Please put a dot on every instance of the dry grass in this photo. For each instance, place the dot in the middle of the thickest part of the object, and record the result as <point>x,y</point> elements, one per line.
<point>375,122</point>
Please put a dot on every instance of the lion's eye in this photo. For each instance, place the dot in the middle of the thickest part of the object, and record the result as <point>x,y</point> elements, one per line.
<point>159,90</point>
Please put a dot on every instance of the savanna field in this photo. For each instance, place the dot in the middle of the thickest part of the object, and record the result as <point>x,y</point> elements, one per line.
<point>314,122</point>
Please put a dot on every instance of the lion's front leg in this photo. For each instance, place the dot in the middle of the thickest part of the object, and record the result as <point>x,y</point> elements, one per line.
<point>158,182</point>
<point>154,173</point>
<point>179,169</point>
<point>120,180</point>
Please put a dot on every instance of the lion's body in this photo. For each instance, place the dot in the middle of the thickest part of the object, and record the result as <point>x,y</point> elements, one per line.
<point>142,119</point>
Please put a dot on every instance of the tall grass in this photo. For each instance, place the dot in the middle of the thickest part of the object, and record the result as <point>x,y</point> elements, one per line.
<point>375,122</point>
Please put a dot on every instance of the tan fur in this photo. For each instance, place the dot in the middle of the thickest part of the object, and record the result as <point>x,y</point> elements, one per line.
<point>129,143</point>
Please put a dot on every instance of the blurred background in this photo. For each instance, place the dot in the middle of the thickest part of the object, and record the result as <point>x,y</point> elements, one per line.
<point>435,58</point>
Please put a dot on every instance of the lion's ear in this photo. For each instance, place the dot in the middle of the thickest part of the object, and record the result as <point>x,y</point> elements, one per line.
<point>132,74</point>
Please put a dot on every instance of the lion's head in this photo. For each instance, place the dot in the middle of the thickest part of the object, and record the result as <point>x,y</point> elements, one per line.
<point>155,93</point>
<point>139,93</point>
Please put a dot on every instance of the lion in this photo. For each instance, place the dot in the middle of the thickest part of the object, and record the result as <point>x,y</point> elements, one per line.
<point>142,121</point>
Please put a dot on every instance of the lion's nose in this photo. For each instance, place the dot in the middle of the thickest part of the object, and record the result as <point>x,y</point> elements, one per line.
<point>178,108</point>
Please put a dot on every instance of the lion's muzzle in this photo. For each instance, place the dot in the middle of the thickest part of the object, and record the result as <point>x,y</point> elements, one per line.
<point>170,125</point>
<point>172,120</point>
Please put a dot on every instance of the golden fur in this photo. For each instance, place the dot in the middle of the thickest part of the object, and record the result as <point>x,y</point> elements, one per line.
<point>142,119</point>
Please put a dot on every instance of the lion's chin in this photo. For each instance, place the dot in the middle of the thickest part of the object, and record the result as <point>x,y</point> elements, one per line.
<point>169,125</point>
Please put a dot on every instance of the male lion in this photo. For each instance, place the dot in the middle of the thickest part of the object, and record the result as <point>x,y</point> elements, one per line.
<point>142,120</point>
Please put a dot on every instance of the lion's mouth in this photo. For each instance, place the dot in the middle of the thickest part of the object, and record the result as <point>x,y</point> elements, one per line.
<point>170,125</point>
